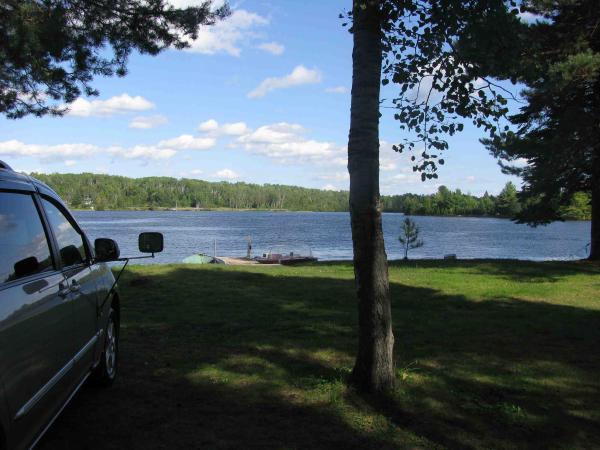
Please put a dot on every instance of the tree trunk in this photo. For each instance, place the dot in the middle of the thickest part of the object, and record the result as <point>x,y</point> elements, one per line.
<point>595,238</point>
<point>374,367</point>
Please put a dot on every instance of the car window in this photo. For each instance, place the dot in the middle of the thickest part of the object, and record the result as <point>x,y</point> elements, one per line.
<point>24,248</point>
<point>70,242</point>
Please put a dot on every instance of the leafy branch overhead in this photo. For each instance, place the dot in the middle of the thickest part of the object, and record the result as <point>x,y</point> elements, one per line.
<point>50,51</point>
<point>428,49</point>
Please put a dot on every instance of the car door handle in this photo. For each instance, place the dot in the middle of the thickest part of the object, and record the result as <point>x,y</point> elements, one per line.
<point>75,287</point>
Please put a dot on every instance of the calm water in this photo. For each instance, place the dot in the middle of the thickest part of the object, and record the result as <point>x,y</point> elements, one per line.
<point>328,234</point>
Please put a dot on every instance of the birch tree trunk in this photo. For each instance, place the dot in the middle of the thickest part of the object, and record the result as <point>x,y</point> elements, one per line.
<point>374,367</point>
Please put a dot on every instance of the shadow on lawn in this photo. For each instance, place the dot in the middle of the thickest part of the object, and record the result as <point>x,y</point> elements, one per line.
<point>513,269</point>
<point>220,358</point>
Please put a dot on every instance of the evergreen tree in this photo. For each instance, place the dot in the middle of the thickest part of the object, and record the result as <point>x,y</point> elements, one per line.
<point>51,50</point>
<point>409,237</point>
<point>507,202</point>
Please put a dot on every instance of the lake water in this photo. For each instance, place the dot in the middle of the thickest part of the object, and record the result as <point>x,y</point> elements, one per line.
<point>329,235</point>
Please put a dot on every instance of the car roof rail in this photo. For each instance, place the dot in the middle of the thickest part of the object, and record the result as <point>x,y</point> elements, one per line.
<point>5,166</point>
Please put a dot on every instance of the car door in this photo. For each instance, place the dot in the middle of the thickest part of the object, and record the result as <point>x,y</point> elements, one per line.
<point>35,318</point>
<point>82,279</point>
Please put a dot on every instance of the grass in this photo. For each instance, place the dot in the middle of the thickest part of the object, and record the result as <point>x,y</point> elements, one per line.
<point>490,354</point>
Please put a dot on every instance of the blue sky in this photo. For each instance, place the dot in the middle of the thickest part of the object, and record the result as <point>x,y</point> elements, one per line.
<point>263,97</point>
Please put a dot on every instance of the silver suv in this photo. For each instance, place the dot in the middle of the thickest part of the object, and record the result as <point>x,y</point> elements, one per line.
<point>59,310</point>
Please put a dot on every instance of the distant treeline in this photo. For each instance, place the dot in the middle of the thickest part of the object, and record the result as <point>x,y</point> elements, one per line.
<point>86,191</point>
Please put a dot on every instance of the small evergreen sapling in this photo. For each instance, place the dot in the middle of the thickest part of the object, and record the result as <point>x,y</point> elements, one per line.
<point>410,236</point>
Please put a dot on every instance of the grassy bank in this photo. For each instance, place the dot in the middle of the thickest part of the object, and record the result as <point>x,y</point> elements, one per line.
<point>489,355</point>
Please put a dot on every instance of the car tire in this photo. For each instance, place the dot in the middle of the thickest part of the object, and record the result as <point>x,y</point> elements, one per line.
<point>105,373</point>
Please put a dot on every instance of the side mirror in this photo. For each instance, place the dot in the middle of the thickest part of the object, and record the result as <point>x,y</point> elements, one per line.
<point>106,249</point>
<point>151,242</point>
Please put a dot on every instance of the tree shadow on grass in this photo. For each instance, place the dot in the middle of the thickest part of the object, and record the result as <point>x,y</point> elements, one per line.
<point>217,358</point>
<point>514,270</point>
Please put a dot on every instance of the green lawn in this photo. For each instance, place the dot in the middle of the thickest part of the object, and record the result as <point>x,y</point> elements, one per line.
<point>489,355</point>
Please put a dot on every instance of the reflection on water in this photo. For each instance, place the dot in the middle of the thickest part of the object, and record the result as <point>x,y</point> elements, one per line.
<point>329,236</point>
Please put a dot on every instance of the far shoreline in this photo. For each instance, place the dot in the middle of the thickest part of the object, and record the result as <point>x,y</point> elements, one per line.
<point>189,209</point>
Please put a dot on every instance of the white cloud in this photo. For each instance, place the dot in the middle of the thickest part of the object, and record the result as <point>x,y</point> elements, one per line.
<point>226,174</point>
<point>15,149</point>
<point>336,90</point>
<point>209,125</point>
<point>67,152</point>
<point>274,48</point>
<point>147,122</point>
<point>286,143</point>
<point>142,152</point>
<point>299,76</point>
<point>226,36</point>
<point>330,187</point>
<point>70,162</point>
<point>234,129</point>
<point>119,104</point>
<point>213,128</point>
<point>471,178</point>
<point>188,142</point>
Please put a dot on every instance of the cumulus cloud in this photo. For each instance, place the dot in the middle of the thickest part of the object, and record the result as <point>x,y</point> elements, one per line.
<point>59,152</point>
<point>15,149</point>
<point>119,104</point>
<point>142,152</point>
<point>147,122</point>
<point>209,125</point>
<point>226,174</point>
<point>336,90</point>
<point>226,36</point>
<point>70,154</point>
<point>299,76</point>
<point>330,187</point>
<point>274,48</point>
<point>188,142</point>
<point>285,142</point>
<point>212,127</point>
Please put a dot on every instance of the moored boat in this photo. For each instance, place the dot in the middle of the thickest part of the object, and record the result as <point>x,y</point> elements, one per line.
<point>281,255</point>
<point>202,258</point>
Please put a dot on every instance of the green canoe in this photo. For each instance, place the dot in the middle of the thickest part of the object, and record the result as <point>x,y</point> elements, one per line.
<point>201,258</point>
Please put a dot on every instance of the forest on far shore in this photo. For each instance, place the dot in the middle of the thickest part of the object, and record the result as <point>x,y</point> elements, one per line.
<point>110,192</point>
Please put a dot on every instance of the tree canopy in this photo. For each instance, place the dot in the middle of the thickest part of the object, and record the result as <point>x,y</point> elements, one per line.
<point>51,50</point>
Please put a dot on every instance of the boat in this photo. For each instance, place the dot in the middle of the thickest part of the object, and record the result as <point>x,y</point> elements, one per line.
<point>282,255</point>
<point>202,258</point>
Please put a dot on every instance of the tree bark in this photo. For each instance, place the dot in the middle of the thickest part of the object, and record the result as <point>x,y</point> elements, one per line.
<point>374,367</point>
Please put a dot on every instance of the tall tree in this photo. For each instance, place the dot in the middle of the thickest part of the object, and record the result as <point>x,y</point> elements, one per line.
<point>374,367</point>
<point>558,129</point>
<point>508,202</point>
<point>51,50</point>
<point>410,41</point>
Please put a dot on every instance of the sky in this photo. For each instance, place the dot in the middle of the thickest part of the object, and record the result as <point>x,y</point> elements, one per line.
<point>262,97</point>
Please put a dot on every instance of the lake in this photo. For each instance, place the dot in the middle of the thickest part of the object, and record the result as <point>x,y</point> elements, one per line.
<point>329,234</point>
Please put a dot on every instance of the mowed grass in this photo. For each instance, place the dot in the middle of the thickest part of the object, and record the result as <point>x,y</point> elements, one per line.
<point>490,354</point>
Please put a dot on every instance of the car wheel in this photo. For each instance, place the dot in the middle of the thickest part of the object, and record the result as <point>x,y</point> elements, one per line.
<point>106,371</point>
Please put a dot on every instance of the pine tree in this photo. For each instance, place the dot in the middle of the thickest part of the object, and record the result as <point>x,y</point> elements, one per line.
<point>410,236</point>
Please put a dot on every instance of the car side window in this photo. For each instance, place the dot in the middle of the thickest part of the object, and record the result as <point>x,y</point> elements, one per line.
<point>24,247</point>
<point>69,240</point>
